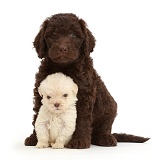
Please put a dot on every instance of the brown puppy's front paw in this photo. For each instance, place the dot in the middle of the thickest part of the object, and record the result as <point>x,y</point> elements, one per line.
<point>31,140</point>
<point>78,144</point>
<point>104,140</point>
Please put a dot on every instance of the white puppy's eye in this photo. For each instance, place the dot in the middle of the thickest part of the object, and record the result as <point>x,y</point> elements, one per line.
<point>48,97</point>
<point>65,95</point>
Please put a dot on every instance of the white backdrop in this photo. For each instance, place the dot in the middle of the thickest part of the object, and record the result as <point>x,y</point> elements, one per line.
<point>126,56</point>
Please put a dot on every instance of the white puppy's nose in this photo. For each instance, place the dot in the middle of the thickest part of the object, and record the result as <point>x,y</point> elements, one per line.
<point>56,105</point>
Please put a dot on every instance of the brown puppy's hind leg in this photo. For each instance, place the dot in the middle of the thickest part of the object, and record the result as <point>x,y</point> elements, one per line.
<point>101,133</point>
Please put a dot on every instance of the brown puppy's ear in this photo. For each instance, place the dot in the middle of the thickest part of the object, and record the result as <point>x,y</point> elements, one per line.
<point>89,42</point>
<point>39,42</point>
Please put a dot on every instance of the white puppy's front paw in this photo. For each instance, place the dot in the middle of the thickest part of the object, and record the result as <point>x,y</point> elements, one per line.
<point>42,145</point>
<point>57,145</point>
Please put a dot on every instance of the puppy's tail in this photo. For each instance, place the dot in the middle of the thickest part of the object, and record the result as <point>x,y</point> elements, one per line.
<point>122,137</point>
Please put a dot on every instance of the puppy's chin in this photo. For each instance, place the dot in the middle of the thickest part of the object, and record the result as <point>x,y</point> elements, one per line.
<point>62,60</point>
<point>56,110</point>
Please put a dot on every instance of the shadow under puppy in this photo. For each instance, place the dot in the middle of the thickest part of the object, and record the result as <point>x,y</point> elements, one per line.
<point>56,120</point>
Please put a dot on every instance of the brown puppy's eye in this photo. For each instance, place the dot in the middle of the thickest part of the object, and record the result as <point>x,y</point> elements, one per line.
<point>48,97</point>
<point>54,35</point>
<point>65,95</point>
<point>72,35</point>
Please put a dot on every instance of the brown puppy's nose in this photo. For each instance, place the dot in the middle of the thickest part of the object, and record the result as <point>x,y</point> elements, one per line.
<point>56,105</point>
<point>63,48</point>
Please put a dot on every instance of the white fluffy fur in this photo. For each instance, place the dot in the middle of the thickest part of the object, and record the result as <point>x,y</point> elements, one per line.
<point>55,125</point>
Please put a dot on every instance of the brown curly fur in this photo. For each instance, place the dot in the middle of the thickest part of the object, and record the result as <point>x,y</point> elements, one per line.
<point>64,42</point>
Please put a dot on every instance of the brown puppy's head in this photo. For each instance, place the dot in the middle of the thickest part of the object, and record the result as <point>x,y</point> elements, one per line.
<point>64,38</point>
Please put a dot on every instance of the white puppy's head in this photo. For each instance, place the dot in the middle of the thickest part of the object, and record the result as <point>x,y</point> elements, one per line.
<point>59,92</point>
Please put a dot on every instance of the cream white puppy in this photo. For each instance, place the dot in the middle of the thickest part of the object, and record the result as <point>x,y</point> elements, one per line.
<point>56,120</point>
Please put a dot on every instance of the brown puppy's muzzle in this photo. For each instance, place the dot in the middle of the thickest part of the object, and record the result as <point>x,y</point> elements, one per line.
<point>63,49</point>
<point>63,52</point>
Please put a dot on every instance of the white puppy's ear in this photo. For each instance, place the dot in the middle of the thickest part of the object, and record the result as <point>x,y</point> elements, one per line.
<point>40,91</point>
<point>75,89</point>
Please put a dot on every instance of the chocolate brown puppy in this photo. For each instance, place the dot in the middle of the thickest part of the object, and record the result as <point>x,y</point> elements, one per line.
<point>64,43</point>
